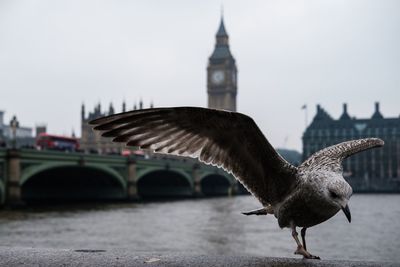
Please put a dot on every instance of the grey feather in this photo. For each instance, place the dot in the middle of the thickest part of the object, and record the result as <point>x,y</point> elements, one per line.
<point>331,158</point>
<point>227,139</point>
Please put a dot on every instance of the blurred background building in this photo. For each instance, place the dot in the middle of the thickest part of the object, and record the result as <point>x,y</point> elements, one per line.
<point>222,74</point>
<point>23,135</point>
<point>373,170</point>
<point>92,142</point>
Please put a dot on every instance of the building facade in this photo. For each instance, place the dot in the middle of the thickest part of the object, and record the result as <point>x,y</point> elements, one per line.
<point>222,74</point>
<point>24,135</point>
<point>91,141</point>
<point>375,170</point>
<point>7,132</point>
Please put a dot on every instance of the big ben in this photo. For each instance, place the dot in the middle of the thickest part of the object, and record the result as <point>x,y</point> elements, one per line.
<point>222,74</point>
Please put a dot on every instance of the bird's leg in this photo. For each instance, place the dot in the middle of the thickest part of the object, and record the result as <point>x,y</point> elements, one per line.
<point>303,237</point>
<point>300,249</point>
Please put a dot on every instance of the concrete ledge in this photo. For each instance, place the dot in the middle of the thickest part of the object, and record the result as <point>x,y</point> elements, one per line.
<point>83,257</point>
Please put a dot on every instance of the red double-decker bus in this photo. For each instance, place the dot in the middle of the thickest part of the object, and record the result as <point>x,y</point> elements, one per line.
<point>56,142</point>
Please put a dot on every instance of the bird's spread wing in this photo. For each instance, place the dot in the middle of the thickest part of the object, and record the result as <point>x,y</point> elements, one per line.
<point>225,139</point>
<point>331,158</point>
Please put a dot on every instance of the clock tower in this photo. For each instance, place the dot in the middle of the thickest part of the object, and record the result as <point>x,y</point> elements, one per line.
<point>222,74</point>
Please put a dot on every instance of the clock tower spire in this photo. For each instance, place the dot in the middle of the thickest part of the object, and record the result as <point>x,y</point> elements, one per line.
<point>222,73</point>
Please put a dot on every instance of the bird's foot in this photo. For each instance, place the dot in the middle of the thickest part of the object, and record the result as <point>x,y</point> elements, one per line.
<point>312,257</point>
<point>306,255</point>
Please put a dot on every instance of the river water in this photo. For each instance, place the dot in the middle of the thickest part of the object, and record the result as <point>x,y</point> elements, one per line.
<point>205,226</point>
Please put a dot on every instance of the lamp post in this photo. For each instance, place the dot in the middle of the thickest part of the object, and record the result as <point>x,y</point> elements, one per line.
<point>14,124</point>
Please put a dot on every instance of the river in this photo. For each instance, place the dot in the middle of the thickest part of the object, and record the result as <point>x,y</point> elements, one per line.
<point>203,226</point>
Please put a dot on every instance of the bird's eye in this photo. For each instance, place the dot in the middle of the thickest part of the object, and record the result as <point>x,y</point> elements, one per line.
<point>333,194</point>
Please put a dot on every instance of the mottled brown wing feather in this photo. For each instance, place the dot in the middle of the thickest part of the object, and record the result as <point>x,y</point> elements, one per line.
<point>331,158</point>
<point>225,139</point>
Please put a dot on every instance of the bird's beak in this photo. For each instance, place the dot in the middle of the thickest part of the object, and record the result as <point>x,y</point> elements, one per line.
<point>346,211</point>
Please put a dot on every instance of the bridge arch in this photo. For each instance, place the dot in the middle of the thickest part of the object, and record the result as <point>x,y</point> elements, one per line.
<point>215,184</point>
<point>164,183</point>
<point>68,181</point>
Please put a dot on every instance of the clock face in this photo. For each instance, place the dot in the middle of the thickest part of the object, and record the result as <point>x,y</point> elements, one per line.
<point>217,77</point>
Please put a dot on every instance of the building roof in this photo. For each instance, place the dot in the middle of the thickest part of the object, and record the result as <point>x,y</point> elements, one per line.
<point>221,30</point>
<point>322,120</point>
<point>322,115</point>
<point>221,51</point>
<point>377,114</point>
<point>345,115</point>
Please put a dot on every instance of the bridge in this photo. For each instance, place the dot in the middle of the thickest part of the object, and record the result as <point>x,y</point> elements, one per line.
<point>31,175</point>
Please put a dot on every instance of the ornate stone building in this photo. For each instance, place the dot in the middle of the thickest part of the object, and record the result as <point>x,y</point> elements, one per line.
<point>372,170</point>
<point>222,74</point>
<point>24,135</point>
<point>92,142</point>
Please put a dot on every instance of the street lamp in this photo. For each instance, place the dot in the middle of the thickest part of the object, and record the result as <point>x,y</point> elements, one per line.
<point>14,124</point>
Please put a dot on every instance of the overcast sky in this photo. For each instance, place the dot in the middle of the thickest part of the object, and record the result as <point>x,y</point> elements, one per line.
<point>56,55</point>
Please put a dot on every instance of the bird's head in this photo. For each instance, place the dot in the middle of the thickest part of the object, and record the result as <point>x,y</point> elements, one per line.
<point>338,193</point>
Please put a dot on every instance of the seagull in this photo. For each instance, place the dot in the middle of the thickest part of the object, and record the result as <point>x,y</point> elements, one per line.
<point>301,196</point>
